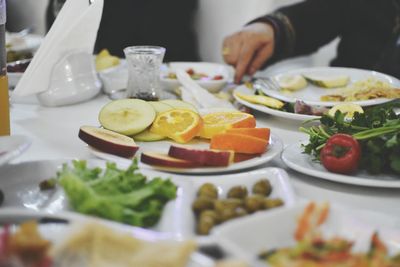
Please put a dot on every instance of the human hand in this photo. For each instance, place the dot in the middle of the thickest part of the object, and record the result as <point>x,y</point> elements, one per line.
<point>248,49</point>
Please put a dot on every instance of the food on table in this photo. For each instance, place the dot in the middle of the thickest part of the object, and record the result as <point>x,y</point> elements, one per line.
<point>377,131</point>
<point>263,133</point>
<point>370,88</point>
<point>160,106</point>
<point>147,136</point>
<point>18,66</point>
<point>181,125</point>
<point>239,143</point>
<point>159,159</point>
<point>348,108</point>
<point>312,249</point>
<point>262,187</point>
<point>25,247</point>
<point>13,56</point>
<point>108,141</point>
<point>327,80</point>
<point>105,60</point>
<point>219,122</point>
<point>341,154</point>
<point>211,209</point>
<point>261,100</point>
<point>239,157</point>
<point>127,116</point>
<point>204,157</point>
<point>179,104</point>
<point>125,196</point>
<point>300,107</point>
<point>195,76</point>
<point>97,245</point>
<point>291,82</point>
<point>48,184</point>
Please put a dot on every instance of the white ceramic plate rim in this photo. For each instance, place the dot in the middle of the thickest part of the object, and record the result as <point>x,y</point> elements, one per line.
<point>274,148</point>
<point>21,144</point>
<point>278,113</point>
<point>293,157</point>
<point>348,71</point>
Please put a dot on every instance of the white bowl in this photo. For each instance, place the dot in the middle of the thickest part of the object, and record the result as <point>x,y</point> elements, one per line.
<point>207,68</point>
<point>115,78</point>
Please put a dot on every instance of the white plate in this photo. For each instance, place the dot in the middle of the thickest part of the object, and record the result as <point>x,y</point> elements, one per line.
<point>26,43</point>
<point>279,179</point>
<point>20,185</point>
<point>274,148</point>
<point>57,227</point>
<point>12,146</point>
<point>278,113</point>
<point>208,68</point>
<point>295,159</point>
<point>311,94</point>
<point>249,236</point>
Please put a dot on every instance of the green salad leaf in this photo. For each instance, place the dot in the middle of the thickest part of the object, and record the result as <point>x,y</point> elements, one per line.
<point>125,196</point>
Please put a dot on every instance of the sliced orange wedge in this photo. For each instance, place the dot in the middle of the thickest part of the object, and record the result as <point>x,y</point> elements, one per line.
<point>181,125</point>
<point>219,122</point>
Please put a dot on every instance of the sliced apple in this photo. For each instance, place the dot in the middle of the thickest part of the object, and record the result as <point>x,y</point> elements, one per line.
<point>147,136</point>
<point>239,157</point>
<point>108,141</point>
<point>158,159</point>
<point>175,103</point>
<point>160,106</point>
<point>127,116</point>
<point>206,157</point>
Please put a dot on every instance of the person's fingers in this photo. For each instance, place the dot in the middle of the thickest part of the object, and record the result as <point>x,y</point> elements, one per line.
<point>246,54</point>
<point>231,48</point>
<point>260,57</point>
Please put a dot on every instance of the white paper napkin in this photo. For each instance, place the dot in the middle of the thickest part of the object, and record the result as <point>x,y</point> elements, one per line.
<point>75,29</point>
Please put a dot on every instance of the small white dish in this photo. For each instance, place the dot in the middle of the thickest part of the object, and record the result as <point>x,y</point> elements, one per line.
<point>12,146</point>
<point>248,236</point>
<point>73,80</point>
<point>115,78</point>
<point>311,94</point>
<point>295,159</point>
<point>274,149</point>
<point>275,112</point>
<point>207,68</point>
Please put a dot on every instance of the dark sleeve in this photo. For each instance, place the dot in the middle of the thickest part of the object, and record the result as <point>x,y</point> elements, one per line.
<point>304,27</point>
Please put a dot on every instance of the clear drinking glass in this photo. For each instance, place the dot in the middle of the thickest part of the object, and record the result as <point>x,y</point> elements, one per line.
<point>144,64</point>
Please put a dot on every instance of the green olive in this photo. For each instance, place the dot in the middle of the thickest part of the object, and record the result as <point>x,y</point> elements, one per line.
<point>202,203</point>
<point>229,203</point>
<point>254,203</point>
<point>208,190</point>
<point>270,203</point>
<point>207,220</point>
<point>238,192</point>
<point>262,187</point>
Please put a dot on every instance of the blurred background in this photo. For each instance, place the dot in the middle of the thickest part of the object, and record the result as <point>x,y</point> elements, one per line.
<point>213,21</point>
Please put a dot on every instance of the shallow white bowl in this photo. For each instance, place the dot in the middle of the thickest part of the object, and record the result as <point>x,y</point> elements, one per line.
<point>208,68</point>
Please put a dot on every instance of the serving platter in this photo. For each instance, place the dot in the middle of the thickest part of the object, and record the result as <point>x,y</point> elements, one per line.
<point>274,148</point>
<point>21,190</point>
<point>243,89</point>
<point>295,159</point>
<point>249,236</point>
<point>311,94</point>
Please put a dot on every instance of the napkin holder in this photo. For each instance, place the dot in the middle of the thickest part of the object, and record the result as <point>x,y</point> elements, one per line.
<point>73,80</point>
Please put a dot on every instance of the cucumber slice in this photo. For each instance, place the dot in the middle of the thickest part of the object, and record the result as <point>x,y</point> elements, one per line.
<point>147,136</point>
<point>127,116</point>
<point>179,104</point>
<point>159,106</point>
<point>328,81</point>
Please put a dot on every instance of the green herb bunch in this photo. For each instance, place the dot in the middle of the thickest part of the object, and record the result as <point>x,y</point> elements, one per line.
<point>377,130</point>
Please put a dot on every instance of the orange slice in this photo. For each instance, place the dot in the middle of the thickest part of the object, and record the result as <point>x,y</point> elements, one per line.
<point>181,125</point>
<point>219,122</point>
<point>239,143</point>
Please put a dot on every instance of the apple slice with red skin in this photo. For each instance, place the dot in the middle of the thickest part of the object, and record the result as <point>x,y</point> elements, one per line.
<point>108,141</point>
<point>159,159</point>
<point>206,157</point>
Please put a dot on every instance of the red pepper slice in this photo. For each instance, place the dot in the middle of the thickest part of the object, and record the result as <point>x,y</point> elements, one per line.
<point>341,154</point>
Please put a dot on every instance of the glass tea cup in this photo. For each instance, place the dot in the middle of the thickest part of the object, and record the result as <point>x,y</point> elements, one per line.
<point>144,64</point>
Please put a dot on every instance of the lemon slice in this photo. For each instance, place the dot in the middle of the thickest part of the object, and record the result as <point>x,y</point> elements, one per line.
<point>348,108</point>
<point>328,81</point>
<point>291,82</point>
